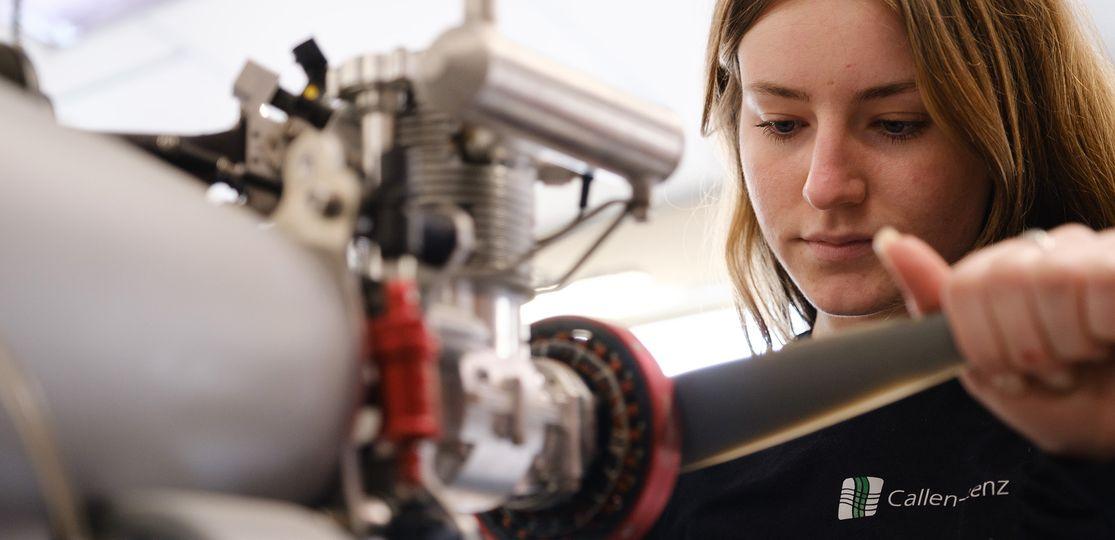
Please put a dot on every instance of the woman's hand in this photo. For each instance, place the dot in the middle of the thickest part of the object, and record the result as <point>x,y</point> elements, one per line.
<point>1035,318</point>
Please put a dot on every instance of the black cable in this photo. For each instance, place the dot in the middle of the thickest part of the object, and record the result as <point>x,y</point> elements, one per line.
<point>586,185</point>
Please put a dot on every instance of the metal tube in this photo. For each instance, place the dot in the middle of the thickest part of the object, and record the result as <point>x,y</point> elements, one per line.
<point>480,11</point>
<point>473,73</point>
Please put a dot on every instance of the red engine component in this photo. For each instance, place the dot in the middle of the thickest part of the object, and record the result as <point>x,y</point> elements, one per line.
<point>406,355</point>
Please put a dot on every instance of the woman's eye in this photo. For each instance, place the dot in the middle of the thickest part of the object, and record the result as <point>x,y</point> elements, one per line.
<point>899,130</point>
<point>780,129</point>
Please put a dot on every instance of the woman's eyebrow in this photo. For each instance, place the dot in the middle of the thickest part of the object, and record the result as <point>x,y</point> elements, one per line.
<point>886,90</point>
<point>867,94</point>
<point>772,89</point>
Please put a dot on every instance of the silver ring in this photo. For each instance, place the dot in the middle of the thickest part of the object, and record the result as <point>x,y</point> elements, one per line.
<point>1039,238</point>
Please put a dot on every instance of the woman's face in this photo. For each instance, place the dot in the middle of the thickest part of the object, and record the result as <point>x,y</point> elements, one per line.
<point>836,143</point>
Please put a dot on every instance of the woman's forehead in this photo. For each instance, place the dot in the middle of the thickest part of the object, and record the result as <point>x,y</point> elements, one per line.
<point>814,44</point>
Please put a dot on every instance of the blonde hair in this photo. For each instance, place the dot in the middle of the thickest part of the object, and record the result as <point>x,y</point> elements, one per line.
<point>1018,82</point>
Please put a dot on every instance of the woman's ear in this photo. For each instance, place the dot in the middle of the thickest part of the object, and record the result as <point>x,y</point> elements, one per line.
<point>916,268</point>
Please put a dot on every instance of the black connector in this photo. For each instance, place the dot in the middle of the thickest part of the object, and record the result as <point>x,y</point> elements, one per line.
<point>308,55</point>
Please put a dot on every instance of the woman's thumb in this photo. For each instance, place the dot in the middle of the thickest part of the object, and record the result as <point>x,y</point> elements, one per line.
<point>916,268</point>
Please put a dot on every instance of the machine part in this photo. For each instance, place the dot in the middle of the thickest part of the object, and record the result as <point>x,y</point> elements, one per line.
<point>320,194</point>
<point>377,86</point>
<point>474,74</point>
<point>258,86</point>
<point>628,483</point>
<point>110,306</point>
<point>28,415</point>
<point>480,11</point>
<point>498,197</point>
<point>405,353</point>
<point>255,86</point>
<point>370,72</point>
<point>544,242</point>
<point>495,418</point>
<point>265,144</point>
<point>445,237</point>
<point>553,174</point>
<point>17,22</point>
<point>570,441</point>
<point>312,61</point>
<point>265,140</point>
<point>217,158</point>
<point>586,188</point>
<point>564,279</point>
<point>727,409</point>
<point>366,513</point>
<point>16,68</point>
<point>178,515</point>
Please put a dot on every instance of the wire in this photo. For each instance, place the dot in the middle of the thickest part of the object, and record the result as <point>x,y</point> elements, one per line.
<point>588,253</point>
<point>546,241</point>
<point>27,412</point>
<point>580,219</point>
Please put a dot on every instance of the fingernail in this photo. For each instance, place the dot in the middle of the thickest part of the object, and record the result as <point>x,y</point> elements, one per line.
<point>885,237</point>
<point>1009,383</point>
<point>1060,380</point>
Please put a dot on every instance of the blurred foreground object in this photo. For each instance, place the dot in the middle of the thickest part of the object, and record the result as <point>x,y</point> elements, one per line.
<point>344,331</point>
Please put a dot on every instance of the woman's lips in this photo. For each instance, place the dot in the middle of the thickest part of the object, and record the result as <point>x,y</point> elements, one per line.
<point>839,252</point>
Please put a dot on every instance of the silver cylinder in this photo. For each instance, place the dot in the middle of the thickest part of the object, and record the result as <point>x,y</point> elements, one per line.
<point>177,344</point>
<point>473,73</point>
<point>498,198</point>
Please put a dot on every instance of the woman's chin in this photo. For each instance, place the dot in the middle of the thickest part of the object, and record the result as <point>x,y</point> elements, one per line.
<point>855,300</point>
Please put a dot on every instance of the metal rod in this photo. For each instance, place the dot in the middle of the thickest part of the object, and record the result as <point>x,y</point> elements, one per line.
<point>480,11</point>
<point>17,23</point>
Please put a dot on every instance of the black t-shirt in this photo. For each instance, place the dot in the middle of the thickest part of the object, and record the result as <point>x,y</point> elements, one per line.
<point>934,465</point>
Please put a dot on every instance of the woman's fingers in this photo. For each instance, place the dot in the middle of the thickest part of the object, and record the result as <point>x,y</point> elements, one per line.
<point>1058,286</point>
<point>966,307</point>
<point>1099,290</point>
<point>1013,309</point>
<point>1031,305</point>
<point>916,267</point>
<point>1046,301</point>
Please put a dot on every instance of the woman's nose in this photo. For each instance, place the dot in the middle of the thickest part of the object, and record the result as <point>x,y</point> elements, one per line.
<point>834,180</point>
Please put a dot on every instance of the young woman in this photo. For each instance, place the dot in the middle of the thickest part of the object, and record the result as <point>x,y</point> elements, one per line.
<point>937,131</point>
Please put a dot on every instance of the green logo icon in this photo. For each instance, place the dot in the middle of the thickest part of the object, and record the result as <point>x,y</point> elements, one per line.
<point>859,497</point>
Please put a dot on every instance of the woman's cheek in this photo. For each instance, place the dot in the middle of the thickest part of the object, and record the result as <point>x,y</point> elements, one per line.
<point>766,196</point>
<point>772,179</point>
<point>960,194</point>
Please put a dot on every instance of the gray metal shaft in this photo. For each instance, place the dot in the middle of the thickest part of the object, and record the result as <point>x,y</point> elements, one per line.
<point>473,73</point>
<point>176,344</point>
<point>730,410</point>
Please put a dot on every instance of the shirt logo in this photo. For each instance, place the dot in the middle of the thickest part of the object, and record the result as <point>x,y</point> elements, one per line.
<point>859,497</point>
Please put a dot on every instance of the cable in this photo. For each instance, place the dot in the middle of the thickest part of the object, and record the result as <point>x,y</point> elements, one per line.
<point>580,219</point>
<point>546,241</point>
<point>588,253</point>
<point>28,414</point>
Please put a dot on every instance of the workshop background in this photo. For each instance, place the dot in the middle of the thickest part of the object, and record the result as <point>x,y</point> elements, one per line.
<point>168,66</point>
